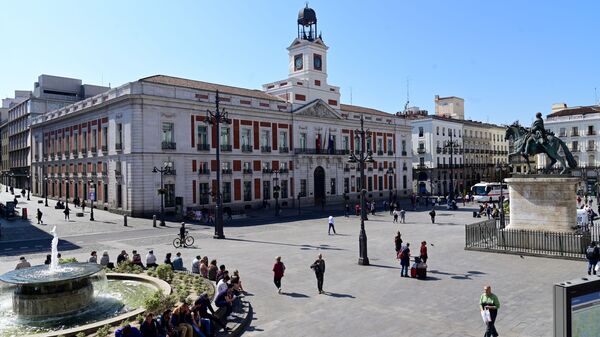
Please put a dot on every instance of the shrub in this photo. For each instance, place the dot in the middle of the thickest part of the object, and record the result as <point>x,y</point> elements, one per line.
<point>165,272</point>
<point>103,331</point>
<point>139,318</point>
<point>81,334</point>
<point>67,260</point>
<point>127,267</point>
<point>159,302</point>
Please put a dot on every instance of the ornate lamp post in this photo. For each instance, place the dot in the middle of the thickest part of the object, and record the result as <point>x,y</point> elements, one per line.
<point>299,196</point>
<point>451,145</point>
<point>390,173</point>
<point>92,198</point>
<point>216,118</point>
<point>276,189</point>
<point>502,168</point>
<point>362,159</point>
<point>163,171</point>
<point>46,190</point>
<point>28,187</point>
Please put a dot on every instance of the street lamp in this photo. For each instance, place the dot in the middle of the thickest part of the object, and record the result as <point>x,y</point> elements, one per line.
<point>276,189</point>
<point>165,170</point>
<point>299,196</point>
<point>28,187</point>
<point>92,198</point>
<point>390,173</point>
<point>451,145</point>
<point>46,190</point>
<point>502,168</point>
<point>216,118</point>
<point>362,159</point>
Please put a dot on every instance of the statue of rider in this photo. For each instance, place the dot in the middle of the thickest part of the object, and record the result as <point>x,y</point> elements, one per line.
<point>537,133</point>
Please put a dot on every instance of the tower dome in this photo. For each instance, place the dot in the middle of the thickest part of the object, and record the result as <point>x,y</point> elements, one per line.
<point>307,16</point>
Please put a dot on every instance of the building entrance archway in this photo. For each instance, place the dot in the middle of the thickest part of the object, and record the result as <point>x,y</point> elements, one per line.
<point>319,185</point>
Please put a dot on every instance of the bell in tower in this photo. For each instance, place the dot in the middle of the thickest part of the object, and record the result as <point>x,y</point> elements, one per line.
<point>307,24</point>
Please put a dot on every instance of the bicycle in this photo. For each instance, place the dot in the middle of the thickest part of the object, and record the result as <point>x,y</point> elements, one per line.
<point>187,242</point>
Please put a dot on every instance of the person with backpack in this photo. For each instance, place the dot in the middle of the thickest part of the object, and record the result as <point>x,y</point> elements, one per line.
<point>395,216</point>
<point>278,270</point>
<point>432,215</point>
<point>319,268</point>
<point>404,257</point>
<point>592,254</point>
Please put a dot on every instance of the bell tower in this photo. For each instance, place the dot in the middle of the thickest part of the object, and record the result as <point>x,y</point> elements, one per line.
<point>307,66</point>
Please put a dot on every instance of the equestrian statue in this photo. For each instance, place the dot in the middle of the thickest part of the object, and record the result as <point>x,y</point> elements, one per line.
<point>529,142</point>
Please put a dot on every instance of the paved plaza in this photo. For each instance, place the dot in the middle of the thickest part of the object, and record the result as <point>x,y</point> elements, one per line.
<point>360,300</point>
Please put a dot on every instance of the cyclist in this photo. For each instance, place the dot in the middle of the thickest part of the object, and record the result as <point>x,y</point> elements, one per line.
<point>182,232</point>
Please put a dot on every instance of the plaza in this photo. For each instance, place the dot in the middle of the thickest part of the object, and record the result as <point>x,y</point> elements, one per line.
<point>359,300</point>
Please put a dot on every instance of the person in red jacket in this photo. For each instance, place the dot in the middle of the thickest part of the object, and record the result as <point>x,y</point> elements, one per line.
<point>278,269</point>
<point>424,252</point>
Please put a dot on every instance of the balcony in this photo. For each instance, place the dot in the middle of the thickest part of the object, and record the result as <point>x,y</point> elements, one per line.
<point>380,169</point>
<point>346,169</point>
<point>226,171</point>
<point>404,154</point>
<point>284,170</point>
<point>170,172</point>
<point>203,147</point>
<point>390,153</point>
<point>118,146</point>
<point>247,148</point>
<point>575,149</point>
<point>284,149</point>
<point>370,169</point>
<point>226,147</point>
<point>203,171</point>
<point>591,148</point>
<point>267,171</point>
<point>104,148</point>
<point>66,153</point>
<point>118,173</point>
<point>332,152</point>
<point>94,150</point>
<point>591,133</point>
<point>247,171</point>
<point>265,149</point>
<point>421,151</point>
<point>404,168</point>
<point>438,150</point>
<point>169,145</point>
<point>380,152</point>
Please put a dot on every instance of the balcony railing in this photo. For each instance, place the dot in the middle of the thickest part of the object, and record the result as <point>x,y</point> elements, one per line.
<point>284,149</point>
<point>203,147</point>
<point>226,171</point>
<point>171,172</point>
<point>265,149</point>
<point>323,151</point>
<point>591,148</point>
<point>591,132</point>
<point>284,170</point>
<point>380,152</point>
<point>380,169</point>
<point>94,150</point>
<point>421,151</point>
<point>346,169</point>
<point>118,173</point>
<point>438,150</point>
<point>267,171</point>
<point>169,145</point>
<point>390,153</point>
<point>104,148</point>
<point>226,147</point>
<point>118,146</point>
<point>404,154</point>
<point>574,133</point>
<point>203,171</point>
<point>246,148</point>
<point>247,171</point>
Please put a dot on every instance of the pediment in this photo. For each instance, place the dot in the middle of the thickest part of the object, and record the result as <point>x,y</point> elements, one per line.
<point>318,109</point>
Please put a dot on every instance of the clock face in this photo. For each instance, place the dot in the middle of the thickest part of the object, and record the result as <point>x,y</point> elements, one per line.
<point>298,62</point>
<point>317,62</point>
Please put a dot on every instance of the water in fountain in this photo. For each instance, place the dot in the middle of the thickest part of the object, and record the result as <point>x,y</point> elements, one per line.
<point>54,259</point>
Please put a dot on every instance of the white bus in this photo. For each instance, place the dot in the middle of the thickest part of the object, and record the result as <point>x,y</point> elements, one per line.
<point>484,192</point>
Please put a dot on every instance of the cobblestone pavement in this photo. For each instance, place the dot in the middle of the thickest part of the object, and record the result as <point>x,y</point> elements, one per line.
<point>360,300</point>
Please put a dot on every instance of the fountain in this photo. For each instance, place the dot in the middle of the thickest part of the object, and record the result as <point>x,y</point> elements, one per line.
<point>52,290</point>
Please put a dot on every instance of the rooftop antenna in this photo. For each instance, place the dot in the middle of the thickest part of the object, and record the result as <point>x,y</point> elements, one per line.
<point>407,96</point>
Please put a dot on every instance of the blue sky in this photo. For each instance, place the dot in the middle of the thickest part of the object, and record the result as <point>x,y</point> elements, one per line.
<point>507,59</point>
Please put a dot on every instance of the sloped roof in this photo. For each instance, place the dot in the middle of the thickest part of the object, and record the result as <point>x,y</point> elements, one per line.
<point>363,110</point>
<point>192,84</point>
<point>579,110</point>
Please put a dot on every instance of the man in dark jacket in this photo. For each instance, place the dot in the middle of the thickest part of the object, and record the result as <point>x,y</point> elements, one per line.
<point>319,267</point>
<point>592,254</point>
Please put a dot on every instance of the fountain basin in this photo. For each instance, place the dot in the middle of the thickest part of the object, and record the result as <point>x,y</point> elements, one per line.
<point>40,292</point>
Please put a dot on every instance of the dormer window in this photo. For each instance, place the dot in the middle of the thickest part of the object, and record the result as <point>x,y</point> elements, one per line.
<point>317,62</point>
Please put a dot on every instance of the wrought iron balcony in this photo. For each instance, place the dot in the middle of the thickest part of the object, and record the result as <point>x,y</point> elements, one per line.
<point>267,171</point>
<point>380,152</point>
<point>390,153</point>
<point>118,146</point>
<point>104,148</point>
<point>265,149</point>
<point>203,147</point>
<point>169,145</point>
<point>421,151</point>
<point>226,171</point>
<point>226,147</point>
<point>247,171</point>
<point>404,154</point>
<point>284,149</point>
<point>247,148</point>
<point>203,171</point>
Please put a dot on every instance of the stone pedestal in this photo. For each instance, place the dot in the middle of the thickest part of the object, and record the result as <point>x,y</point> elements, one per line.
<point>542,203</point>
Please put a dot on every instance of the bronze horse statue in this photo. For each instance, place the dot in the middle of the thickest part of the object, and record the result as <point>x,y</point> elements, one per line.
<point>519,135</point>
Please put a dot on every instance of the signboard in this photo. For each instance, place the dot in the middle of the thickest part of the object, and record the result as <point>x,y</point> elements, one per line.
<point>92,195</point>
<point>577,308</point>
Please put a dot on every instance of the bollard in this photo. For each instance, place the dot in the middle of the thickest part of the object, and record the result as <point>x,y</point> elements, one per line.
<point>154,221</point>
<point>125,220</point>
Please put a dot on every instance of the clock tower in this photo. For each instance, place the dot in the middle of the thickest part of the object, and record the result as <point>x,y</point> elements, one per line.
<point>307,67</point>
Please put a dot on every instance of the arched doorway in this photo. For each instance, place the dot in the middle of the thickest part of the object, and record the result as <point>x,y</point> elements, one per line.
<point>319,183</point>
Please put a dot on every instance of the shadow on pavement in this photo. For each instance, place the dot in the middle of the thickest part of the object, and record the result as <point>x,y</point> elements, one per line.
<point>336,295</point>
<point>303,247</point>
<point>382,266</point>
<point>295,295</point>
<point>467,276</point>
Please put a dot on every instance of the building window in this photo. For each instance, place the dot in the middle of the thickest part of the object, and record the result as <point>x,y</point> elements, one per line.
<point>169,195</point>
<point>225,136</point>
<point>204,194</point>
<point>265,138</point>
<point>333,189</point>
<point>303,187</point>
<point>591,145</point>
<point>94,139</point>
<point>437,130</point>
<point>592,160</point>
<point>358,184</point>
<point>317,62</point>
<point>380,183</point>
<point>283,139</point>
<point>266,190</point>
<point>574,131</point>
<point>119,194</point>
<point>379,145</point>
<point>302,141</point>
<point>574,146</point>
<point>202,131</point>
<point>370,183</point>
<point>345,143</point>
<point>85,141</point>
<point>284,189</point>
<point>369,144</point>
<point>591,131</point>
<point>420,131</point>
<point>422,161</point>
<point>246,137</point>
<point>283,166</point>
<point>346,185</point>
<point>247,191</point>
<point>167,132</point>
<point>443,131</point>
<point>119,135</point>
<point>226,191</point>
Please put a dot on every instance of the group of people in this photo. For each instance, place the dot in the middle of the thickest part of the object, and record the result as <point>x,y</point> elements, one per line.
<point>403,254</point>
<point>318,267</point>
<point>488,209</point>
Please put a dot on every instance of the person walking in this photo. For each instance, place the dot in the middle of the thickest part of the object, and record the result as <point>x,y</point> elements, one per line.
<point>319,268</point>
<point>331,226</point>
<point>67,211</point>
<point>398,243</point>
<point>347,207</point>
<point>278,270</point>
<point>404,257</point>
<point>432,215</point>
<point>489,301</point>
<point>395,216</point>
<point>592,254</point>
<point>39,217</point>
<point>83,206</point>
<point>373,207</point>
<point>423,252</point>
<point>402,216</point>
